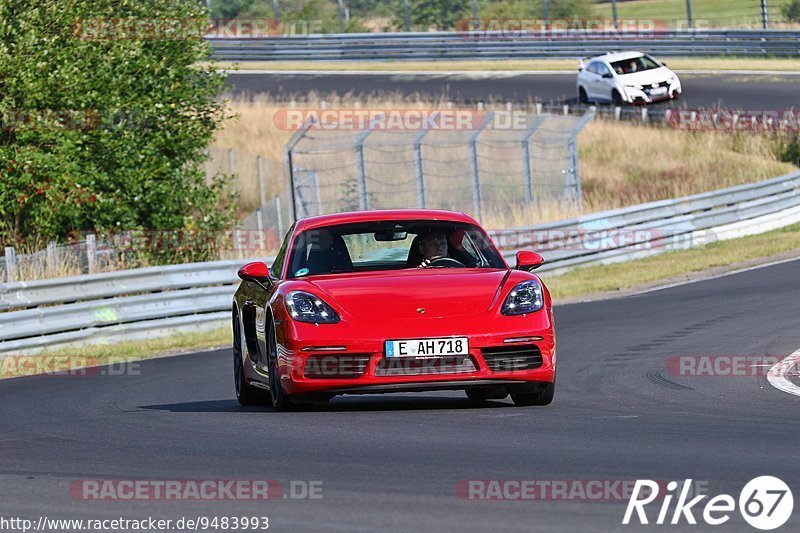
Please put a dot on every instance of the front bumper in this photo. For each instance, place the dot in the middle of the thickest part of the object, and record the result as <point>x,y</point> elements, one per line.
<point>647,95</point>
<point>314,360</point>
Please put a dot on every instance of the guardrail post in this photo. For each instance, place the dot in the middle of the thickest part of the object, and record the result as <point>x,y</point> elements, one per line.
<point>231,162</point>
<point>91,252</point>
<point>341,15</point>
<point>406,15</point>
<point>418,167</point>
<point>764,15</point>
<point>11,264</point>
<point>476,179</point>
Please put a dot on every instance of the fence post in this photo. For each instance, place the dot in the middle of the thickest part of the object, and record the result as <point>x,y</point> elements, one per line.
<point>689,13</point>
<point>279,217</point>
<point>52,260</point>
<point>262,193</point>
<point>614,13</point>
<point>341,15</point>
<point>526,157</point>
<point>406,15</point>
<point>91,252</point>
<point>289,163</point>
<point>11,264</point>
<point>476,179</point>
<point>574,175</point>
<point>764,15</point>
<point>276,11</point>
<point>363,201</point>
<point>418,168</point>
<point>232,161</point>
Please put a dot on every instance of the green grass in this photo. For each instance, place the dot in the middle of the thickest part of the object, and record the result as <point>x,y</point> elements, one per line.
<point>93,355</point>
<point>662,267</point>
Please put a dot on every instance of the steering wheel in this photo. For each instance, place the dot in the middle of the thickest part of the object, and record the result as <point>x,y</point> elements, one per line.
<point>446,262</point>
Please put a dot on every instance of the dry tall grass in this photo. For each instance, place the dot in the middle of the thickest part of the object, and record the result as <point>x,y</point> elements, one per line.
<point>620,163</point>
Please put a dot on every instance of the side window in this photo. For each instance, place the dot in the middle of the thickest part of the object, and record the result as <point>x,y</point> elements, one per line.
<point>602,69</point>
<point>277,265</point>
<point>592,68</point>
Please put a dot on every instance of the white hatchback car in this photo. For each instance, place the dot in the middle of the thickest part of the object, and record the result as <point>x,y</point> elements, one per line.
<point>626,77</point>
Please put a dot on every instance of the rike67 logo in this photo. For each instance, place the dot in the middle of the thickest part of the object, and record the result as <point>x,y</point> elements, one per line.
<point>765,503</point>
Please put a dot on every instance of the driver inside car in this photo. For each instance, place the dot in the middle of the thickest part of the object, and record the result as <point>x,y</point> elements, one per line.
<point>432,246</point>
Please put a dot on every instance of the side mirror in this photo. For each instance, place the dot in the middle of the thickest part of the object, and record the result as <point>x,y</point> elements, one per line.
<point>608,75</point>
<point>663,64</point>
<point>255,271</point>
<point>527,260</point>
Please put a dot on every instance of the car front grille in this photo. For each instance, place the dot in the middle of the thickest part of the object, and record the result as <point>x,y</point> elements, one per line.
<point>330,366</point>
<point>412,366</point>
<point>510,358</point>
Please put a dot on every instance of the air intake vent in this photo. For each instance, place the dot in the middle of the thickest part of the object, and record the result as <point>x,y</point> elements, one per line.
<point>336,366</point>
<point>511,358</point>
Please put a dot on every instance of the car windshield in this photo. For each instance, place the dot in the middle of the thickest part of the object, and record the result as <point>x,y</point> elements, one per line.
<point>391,245</point>
<point>634,64</point>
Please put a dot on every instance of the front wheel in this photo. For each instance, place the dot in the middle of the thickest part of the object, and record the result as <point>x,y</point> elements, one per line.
<point>541,397</point>
<point>616,98</point>
<point>280,400</point>
<point>582,96</point>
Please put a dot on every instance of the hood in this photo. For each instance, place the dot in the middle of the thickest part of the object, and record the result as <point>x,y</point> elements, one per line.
<point>397,294</point>
<point>646,77</point>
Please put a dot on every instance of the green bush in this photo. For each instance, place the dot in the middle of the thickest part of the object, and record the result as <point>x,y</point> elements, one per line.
<point>791,11</point>
<point>106,127</point>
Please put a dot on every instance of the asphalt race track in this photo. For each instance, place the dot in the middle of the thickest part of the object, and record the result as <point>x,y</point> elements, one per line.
<point>393,462</point>
<point>741,91</point>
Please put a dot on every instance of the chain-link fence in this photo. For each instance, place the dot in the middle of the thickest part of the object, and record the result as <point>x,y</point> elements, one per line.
<point>492,165</point>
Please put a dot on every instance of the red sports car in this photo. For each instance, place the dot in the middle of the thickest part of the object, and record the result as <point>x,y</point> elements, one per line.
<point>392,301</point>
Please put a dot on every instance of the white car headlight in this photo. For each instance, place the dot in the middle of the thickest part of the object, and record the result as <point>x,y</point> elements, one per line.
<point>305,307</point>
<point>525,297</point>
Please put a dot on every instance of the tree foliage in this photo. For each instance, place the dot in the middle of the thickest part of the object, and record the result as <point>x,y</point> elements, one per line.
<point>106,119</point>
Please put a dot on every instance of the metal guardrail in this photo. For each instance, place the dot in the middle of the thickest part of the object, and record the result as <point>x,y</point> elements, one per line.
<point>425,46</point>
<point>144,302</point>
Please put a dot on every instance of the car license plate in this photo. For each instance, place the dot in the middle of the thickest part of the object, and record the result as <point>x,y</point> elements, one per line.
<point>428,347</point>
<point>658,91</point>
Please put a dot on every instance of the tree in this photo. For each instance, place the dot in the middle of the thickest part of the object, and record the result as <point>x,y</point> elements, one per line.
<point>107,117</point>
<point>791,11</point>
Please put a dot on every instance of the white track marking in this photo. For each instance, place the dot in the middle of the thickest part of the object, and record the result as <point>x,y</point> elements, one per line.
<point>777,374</point>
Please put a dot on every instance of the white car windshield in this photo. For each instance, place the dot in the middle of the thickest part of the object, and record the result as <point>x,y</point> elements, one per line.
<point>634,64</point>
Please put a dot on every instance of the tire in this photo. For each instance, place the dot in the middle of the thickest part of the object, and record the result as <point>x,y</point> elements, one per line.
<point>583,98</point>
<point>246,394</point>
<point>542,397</point>
<point>280,400</point>
<point>616,98</point>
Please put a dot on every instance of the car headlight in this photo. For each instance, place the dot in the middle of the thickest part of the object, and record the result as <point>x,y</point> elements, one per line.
<point>525,297</point>
<point>305,307</point>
